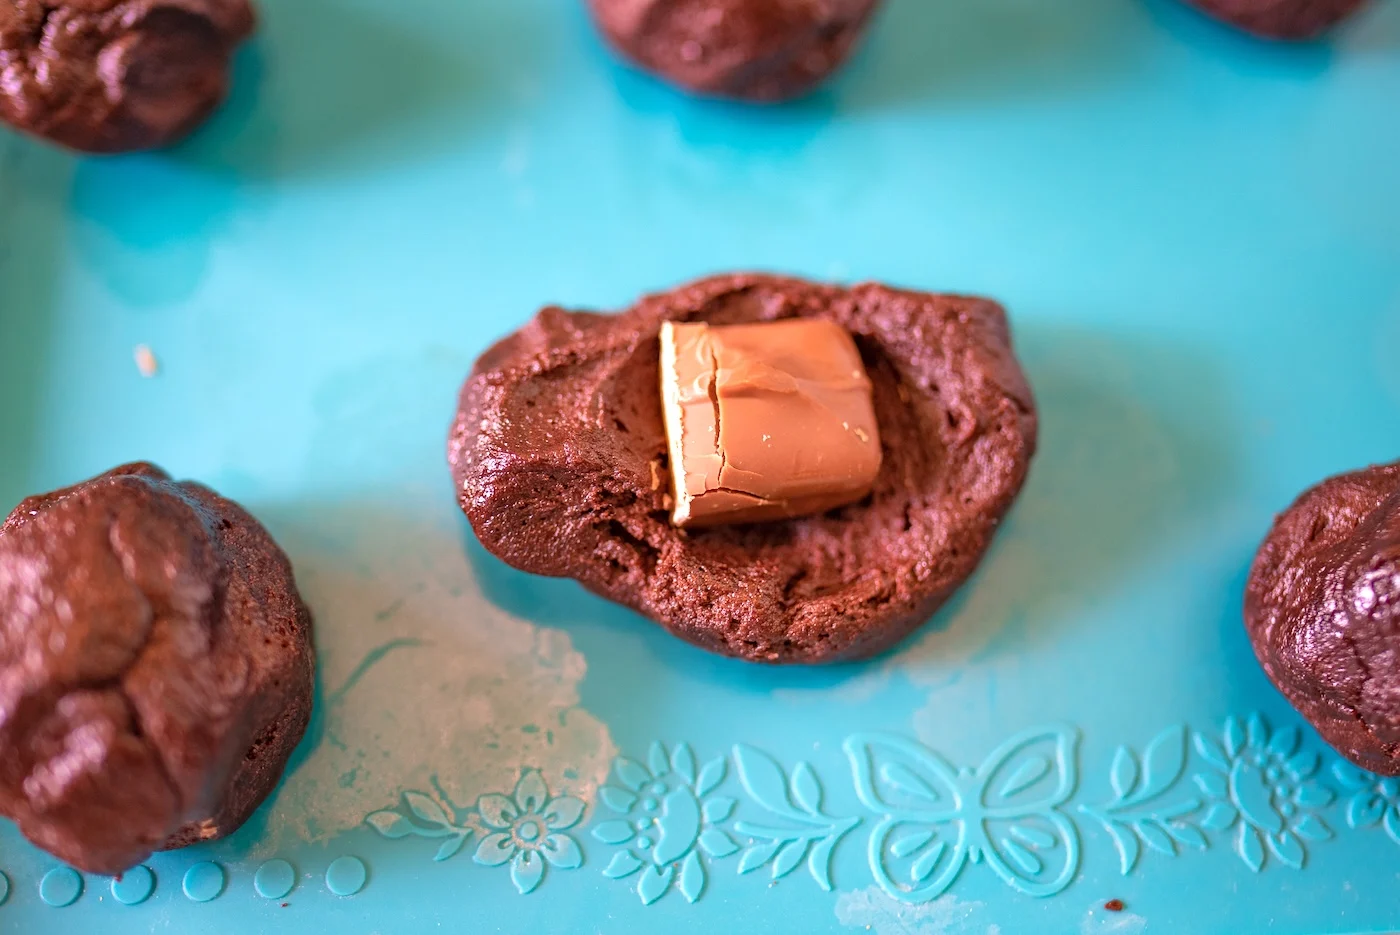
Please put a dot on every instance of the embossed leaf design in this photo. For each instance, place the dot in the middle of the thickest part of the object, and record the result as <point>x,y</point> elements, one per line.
<point>692,882</point>
<point>617,799</point>
<point>1219,817</point>
<point>1256,732</point>
<point>496,810</point>
<point>1313,796</point>
<point>1155,837</point>
<point>1249,846</point>
<point>1165,761</point>
<point>1213,785</point>
<point>390,824</point>
<point>683,762</point>
<point>794,802</point>
<point>622,864</point>
<point>1288,849</point>
<point>680,825</point>
<point>657,759</point>
<point>1234,736</point>
<point>1140,812</point>
<point>763,779</point>
<point>1352,778</point>
<point>653,884</point>
<point>1250,794</point>
<point>1211,752</point>
<point>1285,741</point>
<point>819,861</point>
<point>563,813</point>
<point>718,809</point>
<point>806,789</point>
<point>789,857</point>
<point>451,846</point>
<point>632,774</point>
<point>613,832</point>
<point>1304,766</point>
<point>1312,828</point>
<point>526,871</point>
<point>1127,843</point>
<point>426,809</point>
<point>531,793</point>
<point>1187,835</point>
<point>711,775</point>
<point>716,843</point>
<point>757,855</point>
<point>562,851</point>
<point>1392,824</point>
<point>494,849</point>
<point>1123,776</point>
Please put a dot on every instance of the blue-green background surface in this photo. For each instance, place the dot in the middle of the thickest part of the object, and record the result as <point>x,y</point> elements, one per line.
<point>1197,236</point>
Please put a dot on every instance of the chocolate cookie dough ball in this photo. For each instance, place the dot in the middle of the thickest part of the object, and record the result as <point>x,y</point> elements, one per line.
<point>1281,19</point>
<point>757,50</point>
<point>561,461</point>
<point>155,667</point>
<point>110,76</point>
<point>1323,611</point>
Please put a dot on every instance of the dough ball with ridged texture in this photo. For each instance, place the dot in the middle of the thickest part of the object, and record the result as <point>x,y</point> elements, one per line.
<point>156,667</point>
<point>755,50</point>
<point>111,76</point>
<point>1281,19</point>
<point>1323,611</point>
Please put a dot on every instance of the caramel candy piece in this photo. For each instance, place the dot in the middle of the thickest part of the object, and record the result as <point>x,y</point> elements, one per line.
<point>765,421</point>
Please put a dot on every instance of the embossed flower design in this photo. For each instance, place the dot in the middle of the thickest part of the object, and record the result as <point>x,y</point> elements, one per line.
<point>669,821</point>
<point>527,831</point>
<point>1263,785</point>
<point>1375,800</point>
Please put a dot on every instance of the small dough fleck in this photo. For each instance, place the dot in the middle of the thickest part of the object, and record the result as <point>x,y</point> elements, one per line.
<point>146,361</point>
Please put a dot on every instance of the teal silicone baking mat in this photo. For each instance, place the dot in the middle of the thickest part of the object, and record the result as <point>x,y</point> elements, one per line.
<point>1197,237</point>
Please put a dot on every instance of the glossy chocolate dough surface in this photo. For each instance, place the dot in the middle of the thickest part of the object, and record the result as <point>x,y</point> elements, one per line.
<point>1323,611</point>
<point>110,76</point>
<point>559,455</point>
<point>155,667</point>
<point>1282,19</point>
<point>757,50</point>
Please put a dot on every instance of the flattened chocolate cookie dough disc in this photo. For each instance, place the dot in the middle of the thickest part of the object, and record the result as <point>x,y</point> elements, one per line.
<point>111,76</point>
<point>1323,612</point>
<point>756,50</point>
<point>156,667</point>
<point>1281,19</point>
<point>560,459</point>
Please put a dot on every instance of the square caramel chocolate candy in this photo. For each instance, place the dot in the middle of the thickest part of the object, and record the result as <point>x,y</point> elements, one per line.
<point>765,421</point>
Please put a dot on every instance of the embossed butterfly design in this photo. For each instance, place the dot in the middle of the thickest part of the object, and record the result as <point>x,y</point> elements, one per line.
<point>938,819</point>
